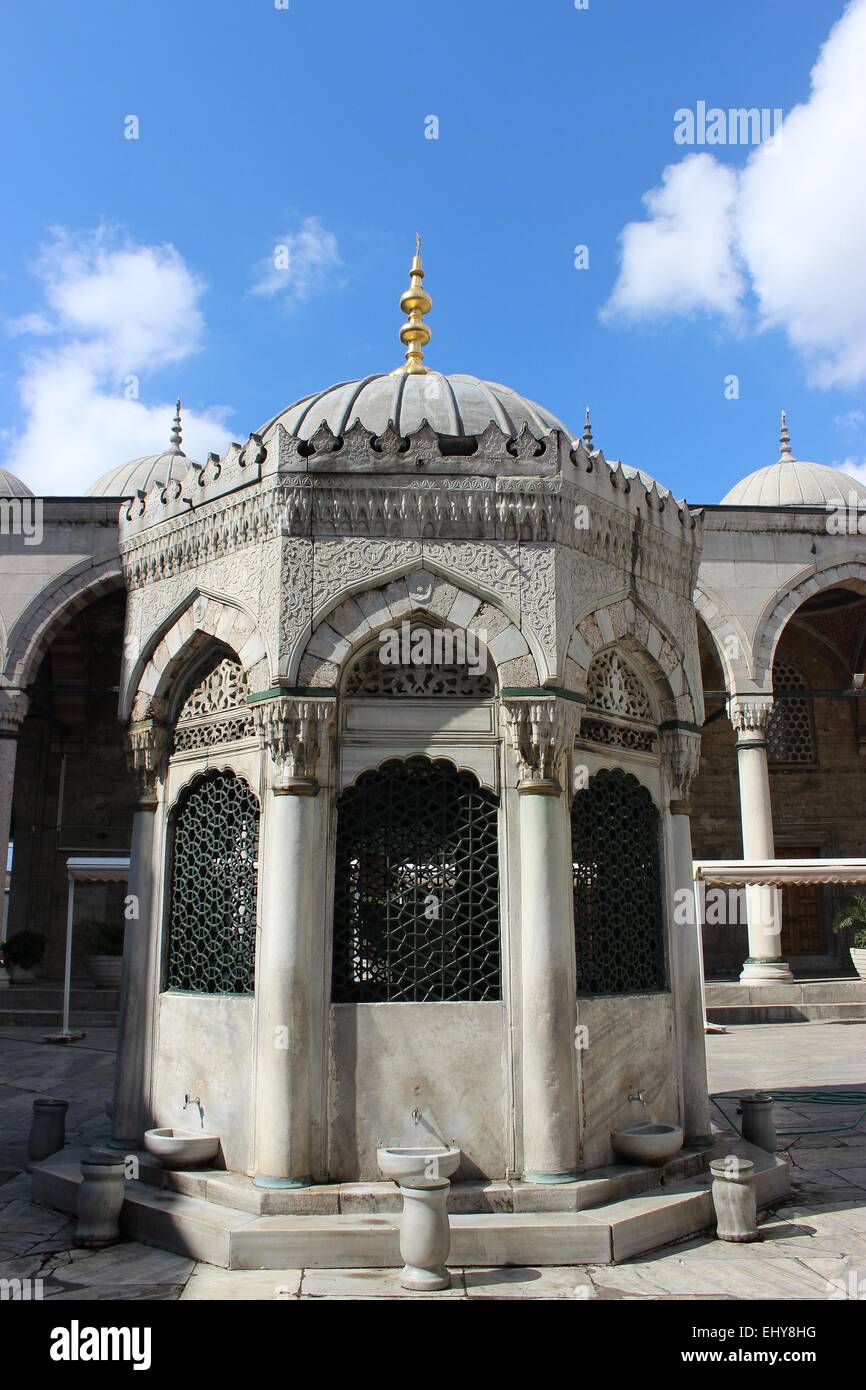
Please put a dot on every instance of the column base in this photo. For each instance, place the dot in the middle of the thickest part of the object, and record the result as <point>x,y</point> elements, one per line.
<point>262,1180</point>
<point>541,1178</point>
<point>124,1146</point>
<point>765,971</point>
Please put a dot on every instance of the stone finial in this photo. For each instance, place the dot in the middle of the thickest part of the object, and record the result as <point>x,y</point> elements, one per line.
<point>293,732</point>
<point>587,432</point>
<point>176,432</point>
<point>542,731</point>
<point>784,441</point>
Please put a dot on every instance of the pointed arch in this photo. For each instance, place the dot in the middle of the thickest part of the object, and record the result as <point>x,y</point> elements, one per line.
<point>624,624</point>
<point>52,607</point>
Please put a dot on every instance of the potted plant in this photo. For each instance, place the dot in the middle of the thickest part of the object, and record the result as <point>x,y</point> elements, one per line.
<point>106,962</point>
<point>851,917</point>
<point>22,952</point>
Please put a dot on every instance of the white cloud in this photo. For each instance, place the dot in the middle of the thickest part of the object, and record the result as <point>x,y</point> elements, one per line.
<point>795,223</point>
<point>301,264</point>
<point>113,311</point>
<point>856,467</point>
<point>682,260</point>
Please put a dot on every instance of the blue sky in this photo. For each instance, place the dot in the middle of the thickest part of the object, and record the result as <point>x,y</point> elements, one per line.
<point>305,127</point>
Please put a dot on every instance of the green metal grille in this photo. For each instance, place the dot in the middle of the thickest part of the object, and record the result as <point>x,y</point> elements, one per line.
<point>416,907</point>
<point>212,918</point>
<point>618,918</point>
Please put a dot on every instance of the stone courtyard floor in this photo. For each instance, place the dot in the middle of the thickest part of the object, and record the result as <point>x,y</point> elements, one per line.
<point>812,1247</point>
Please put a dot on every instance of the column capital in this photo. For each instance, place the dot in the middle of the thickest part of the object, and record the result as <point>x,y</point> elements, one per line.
<point>13,708</point>
<point>681,751</point>
<point>750,715</point>
<point>146,745</point>
<point>292,731</point>
<point>542,730</point>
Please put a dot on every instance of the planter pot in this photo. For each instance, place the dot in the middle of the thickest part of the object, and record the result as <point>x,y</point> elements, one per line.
<point>858,956</point>
<point>105,971</point>
<point>734,1198</point>
<point>22,974</point>
<point>48,1130</point>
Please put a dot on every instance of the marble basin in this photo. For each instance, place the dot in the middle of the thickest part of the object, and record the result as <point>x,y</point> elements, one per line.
<point>647,1143</point>
<point>427,1161</point>
<point>181,1148</point>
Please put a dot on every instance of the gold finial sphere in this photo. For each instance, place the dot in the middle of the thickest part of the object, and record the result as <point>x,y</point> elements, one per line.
<point>415,302</point>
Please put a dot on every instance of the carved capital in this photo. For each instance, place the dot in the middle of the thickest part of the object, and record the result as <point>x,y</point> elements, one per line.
<point>542,732</point>
<point>750,715</point>
<point>681,750</point>
<point>146,745</point>
<point>293,732</point>
<point>13,708</point>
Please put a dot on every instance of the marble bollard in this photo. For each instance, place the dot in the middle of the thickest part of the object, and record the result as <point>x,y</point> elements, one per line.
<point>48,1130</point>
<point>734,1198</point>
<point>425,1235</point>
<point>759,1120</point>
<point>100,1199</point>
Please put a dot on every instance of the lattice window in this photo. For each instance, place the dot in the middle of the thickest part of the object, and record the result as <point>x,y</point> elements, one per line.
<point>416,907</point>
<point>791,730</point>
<point>214,711</point>
<point>444,666</point>
<point>615,688</point>
<point>618,706</point>
<point>618,918</point>
<point>212,904</point>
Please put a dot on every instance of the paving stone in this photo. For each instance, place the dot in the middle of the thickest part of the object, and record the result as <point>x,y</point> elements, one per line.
<point>553,1282</point>
<point>129,1263</point>
<point>208,1282</point>
<point>368,1283</point>
<point>21,1217</point>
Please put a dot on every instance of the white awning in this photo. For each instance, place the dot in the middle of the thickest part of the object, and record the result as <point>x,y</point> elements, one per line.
<point>91,869</point>
<point>778,872</point>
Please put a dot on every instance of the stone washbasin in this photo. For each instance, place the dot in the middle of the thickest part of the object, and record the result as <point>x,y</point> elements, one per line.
<point>425,1161</point>
<point>653,1144</point>
<point>181,1148</point>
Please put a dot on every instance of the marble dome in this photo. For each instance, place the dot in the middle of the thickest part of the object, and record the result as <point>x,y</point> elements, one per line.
<point>452,404</point>
<point>10,486</point>
<point>794,483</point>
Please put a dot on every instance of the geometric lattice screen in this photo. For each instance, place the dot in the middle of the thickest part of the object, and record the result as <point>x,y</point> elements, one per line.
<point>416,900</point>
<point>212,911</point>
<point>791,731</point>
<point>618,918</point>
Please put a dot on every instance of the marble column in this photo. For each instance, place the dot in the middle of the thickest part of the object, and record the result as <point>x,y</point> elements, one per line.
<point>542,733</point>
<point>139,985</point>
<point>750,715</point>
<point>13,708</point>
<point>681,754</point>
<point>292,732</point>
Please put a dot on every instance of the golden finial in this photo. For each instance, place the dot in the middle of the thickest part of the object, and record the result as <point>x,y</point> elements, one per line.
<point>415,303</point>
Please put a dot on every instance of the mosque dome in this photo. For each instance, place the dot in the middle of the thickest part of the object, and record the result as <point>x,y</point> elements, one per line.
<point>10,486</point>
<point>140,474</point>
<point>794,483</point>
<point>454,404</point>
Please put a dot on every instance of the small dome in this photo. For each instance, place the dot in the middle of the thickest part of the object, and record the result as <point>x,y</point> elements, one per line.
<point>10,486</point>
<point>794,482</point>
<point>141,474</point>
<point>455,404</point>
